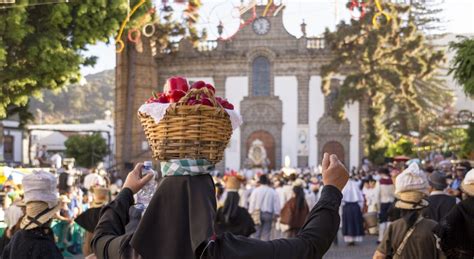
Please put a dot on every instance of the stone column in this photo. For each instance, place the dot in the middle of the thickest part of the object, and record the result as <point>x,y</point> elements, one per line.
<point>135,79</point>
<point>303,111</point>
<point>219,84</point>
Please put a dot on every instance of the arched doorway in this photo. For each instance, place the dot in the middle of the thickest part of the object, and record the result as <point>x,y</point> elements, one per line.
<point>334,147</point>
<point>268,143</point>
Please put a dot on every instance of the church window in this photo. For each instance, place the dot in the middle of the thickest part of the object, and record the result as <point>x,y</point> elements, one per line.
<point>261,76</point>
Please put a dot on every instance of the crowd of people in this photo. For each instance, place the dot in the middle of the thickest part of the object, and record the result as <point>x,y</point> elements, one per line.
<point>417,210</point>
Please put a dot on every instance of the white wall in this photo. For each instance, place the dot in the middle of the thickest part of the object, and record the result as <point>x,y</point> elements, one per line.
<point>316,110</point>
<point>352,114</point>
<point>235,90</point>
<point>286,88</point>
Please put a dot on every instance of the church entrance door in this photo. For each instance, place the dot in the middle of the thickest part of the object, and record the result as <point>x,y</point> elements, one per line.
<point>334,147</point>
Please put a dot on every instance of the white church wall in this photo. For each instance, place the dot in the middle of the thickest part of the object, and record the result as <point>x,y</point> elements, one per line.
<point>316,110</point>
<point>286,88</point>
<point>209,80</point>
<point>352,114</point>
<point>235,90</point>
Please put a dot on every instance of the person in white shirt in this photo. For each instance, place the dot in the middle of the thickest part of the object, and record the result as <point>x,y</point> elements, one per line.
<point>12,215</point>
<point>93,179</point>
<point>264,201</point>
<point>56,160</point>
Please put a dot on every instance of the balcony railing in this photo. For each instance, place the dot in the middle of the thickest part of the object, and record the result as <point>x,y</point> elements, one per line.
<point>316,43</point>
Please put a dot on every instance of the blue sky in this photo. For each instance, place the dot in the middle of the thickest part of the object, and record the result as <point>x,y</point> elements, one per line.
<point>318,15</point>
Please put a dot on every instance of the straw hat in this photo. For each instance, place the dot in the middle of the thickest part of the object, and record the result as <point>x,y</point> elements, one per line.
<point>299,182</point>
<point>411,187</point>
<point>233,181</point>
<point>467,184</point>
<point>37,214</point>
<point>101,197</point>
<point>41,199</point>
<point>411,200</point>
<point>64,199</point>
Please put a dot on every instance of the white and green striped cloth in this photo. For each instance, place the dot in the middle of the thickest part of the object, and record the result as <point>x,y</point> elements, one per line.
<point>186,167</point>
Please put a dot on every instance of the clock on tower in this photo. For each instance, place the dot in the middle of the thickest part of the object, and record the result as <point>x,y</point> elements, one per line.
<point>261,26</point>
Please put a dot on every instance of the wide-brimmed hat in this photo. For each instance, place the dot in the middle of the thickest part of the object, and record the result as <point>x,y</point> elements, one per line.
<point>467,185</point>
<point>101,197</point>
<point>233,181</point>
<point>41,198</point>
<point>37,214</point>
<point>411,179</point>
<point>437,180</point>
<point>64,199</point>
<point>411,200</point>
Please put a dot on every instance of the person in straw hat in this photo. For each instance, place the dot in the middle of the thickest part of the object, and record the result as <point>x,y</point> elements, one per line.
<point>89,218</point>
<point>410,236</point>
<point>35,238</point>
<point>456,230</point>
<point>231,217</point>
<point>179,222</point>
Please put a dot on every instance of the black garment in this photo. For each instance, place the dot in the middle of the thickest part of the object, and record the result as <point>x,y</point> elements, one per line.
<point>440,205</point>
<point>62,181</point>
<point>234,219</point>
<point>312,241</point>
<point>456,231</point>
<point>384,211</point>
<point>352,221</point>
<point>37,243</point>
<point>89,219</point>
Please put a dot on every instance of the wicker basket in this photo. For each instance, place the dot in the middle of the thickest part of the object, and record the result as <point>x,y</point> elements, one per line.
<point>196,131</point>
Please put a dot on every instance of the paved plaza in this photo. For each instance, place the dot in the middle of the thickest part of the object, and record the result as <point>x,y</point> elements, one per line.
<point>342,251</point>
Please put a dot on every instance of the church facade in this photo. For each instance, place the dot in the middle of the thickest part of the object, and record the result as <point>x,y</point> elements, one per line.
<point>271,77</point>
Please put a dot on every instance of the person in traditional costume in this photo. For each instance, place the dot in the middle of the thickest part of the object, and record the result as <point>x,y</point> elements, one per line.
<point>89,218</point>
<point>412,235</point>
<point>440,202</point>
<point>294,212</point>
<point>179,222</point>
<point>385,193</point>
<point>13,216</point>
<point>35,238</point>
<point>352,220</point>
<point>456,229</point>
<point>231,217</point>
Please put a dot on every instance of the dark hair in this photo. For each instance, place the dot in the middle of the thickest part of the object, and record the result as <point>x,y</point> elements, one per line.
<point>263,179</point>
<point>292,177</point>
<point>384,170</point>
<point>299,196</point>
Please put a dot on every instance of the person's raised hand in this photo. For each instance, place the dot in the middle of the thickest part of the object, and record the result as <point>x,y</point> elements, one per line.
<point>134,181</point>
<point>334,172</point>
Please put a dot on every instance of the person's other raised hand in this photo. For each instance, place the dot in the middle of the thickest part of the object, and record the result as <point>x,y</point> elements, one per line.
<point>334,172</point>
<point>134,180</point>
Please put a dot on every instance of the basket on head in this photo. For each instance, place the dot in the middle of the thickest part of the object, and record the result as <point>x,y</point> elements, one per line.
<point>189,131</point>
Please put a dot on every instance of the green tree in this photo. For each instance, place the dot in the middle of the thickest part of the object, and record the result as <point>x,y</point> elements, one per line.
<point>390,68</point>
<point>88,150</point>
<point>462,67</point>
<point>42,45</point>
<point>403,146</point>
<point>467,147</point>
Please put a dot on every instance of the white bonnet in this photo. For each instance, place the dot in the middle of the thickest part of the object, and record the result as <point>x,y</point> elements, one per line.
<point>40,186</point>
<point>411,179</point>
